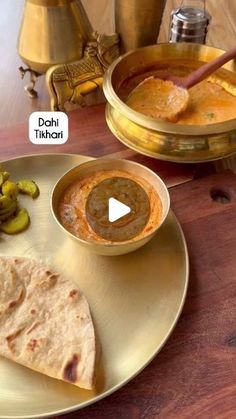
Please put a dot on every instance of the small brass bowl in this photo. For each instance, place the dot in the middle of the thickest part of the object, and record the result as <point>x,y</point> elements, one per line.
<point>156,138</point>
<point>87,169</point>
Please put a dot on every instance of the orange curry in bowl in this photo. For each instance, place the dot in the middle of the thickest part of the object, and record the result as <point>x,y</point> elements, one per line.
<point>73,209</point>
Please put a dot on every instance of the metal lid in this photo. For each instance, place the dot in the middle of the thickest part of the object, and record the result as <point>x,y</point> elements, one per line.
<point>190,16</point>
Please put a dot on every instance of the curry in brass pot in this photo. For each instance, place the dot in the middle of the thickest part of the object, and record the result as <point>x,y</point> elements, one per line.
<point>168,99</point>
<point>208,102</point>
<point>205,130</point>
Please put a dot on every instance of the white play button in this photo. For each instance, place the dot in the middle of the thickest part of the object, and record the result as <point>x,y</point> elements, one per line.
<point>117,210</point>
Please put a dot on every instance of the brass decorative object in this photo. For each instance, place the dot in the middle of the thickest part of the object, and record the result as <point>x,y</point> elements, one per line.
<point>138,22</point>
<point>71,82</point>
<point>159,139</point>
<point>52,32</point>
<point>29,88</point>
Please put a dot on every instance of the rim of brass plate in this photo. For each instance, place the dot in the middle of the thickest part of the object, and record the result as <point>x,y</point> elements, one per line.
<point>152,123</point>
<point>51,3</point>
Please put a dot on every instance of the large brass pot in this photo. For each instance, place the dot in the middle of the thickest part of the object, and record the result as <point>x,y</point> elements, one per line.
<point>164,140</point>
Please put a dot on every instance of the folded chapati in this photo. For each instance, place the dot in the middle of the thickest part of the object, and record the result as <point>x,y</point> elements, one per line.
<point>45,322</point>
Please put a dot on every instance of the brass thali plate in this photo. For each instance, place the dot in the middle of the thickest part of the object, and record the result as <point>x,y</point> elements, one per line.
<point>135,299</point>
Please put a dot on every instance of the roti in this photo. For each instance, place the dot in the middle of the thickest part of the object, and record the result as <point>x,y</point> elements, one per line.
<point>45,322</point>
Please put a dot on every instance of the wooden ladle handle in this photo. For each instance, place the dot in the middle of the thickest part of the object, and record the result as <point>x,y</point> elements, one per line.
<point>205,70</point>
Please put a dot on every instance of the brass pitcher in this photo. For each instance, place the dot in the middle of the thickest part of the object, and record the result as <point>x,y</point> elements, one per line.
<point>138,22</point>
<point>52,32</point>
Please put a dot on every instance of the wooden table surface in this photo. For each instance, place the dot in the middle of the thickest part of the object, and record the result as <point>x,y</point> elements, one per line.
<point>89,135</point>
<point>195,373</point>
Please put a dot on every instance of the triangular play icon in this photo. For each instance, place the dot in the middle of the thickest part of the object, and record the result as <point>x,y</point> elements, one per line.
<point>117,210</point>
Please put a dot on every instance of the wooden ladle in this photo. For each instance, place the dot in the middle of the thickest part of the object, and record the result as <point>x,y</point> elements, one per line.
<point>194,78</point>
<point>166,98</point>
